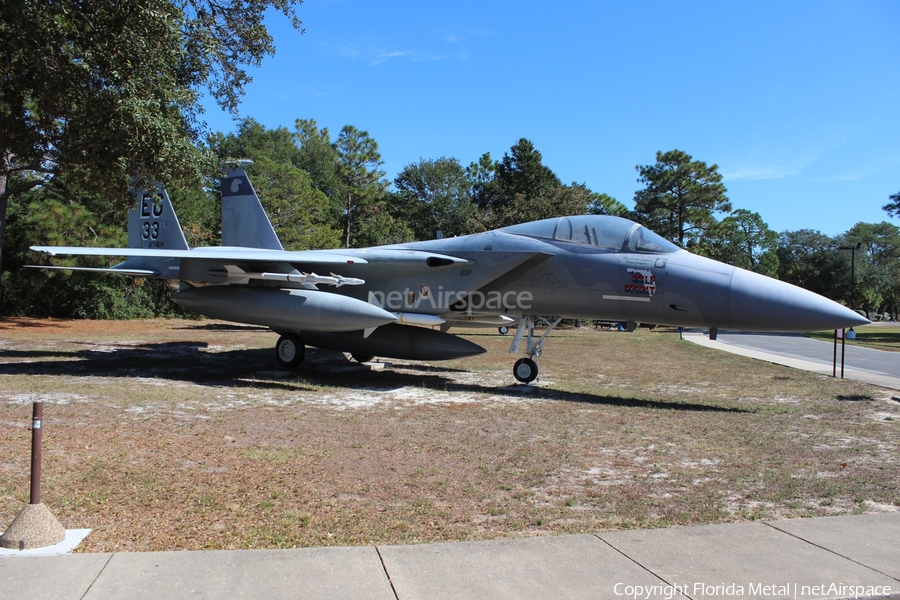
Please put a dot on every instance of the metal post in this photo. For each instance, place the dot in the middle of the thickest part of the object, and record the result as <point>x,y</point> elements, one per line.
<point>843,347</point>
<point>852,250</point>
<point>36,452</point>
<point>834,358</point>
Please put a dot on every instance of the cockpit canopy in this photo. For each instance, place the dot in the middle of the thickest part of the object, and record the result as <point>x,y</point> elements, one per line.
<point>614,234</point>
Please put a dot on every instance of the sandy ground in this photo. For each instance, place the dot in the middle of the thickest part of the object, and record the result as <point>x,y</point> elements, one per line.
<point>171,434</point>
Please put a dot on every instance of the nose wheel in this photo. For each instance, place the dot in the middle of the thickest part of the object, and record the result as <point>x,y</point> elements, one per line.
<point>526,370</point>
<point>290,351</point>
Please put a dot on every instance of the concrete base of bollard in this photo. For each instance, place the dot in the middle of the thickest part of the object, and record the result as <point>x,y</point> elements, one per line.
<point>34,527</point>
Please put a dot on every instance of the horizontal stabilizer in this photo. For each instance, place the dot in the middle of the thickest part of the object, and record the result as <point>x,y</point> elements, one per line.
<point>131,272</point>
<point>220,253</point>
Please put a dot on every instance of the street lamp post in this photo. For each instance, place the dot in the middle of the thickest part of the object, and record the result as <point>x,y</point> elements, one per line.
<point>852,250</point>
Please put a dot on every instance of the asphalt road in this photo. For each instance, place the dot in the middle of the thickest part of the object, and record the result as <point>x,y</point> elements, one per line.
<point>880,362</point>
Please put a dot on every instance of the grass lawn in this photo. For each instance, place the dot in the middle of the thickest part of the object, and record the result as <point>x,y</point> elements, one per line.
<point>168,434</point>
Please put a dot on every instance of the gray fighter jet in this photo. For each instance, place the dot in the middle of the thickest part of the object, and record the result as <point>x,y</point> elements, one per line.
<point>399,301</point>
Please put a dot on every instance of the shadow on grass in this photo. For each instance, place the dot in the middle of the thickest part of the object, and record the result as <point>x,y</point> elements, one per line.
<point>19,322</point>
<point>18,354</point>
<point>429,368</point>
<point>243,368</point>
<point>855,398</point>
<point>174,361</point>
<point>221,327</point>
<point>585,398</point>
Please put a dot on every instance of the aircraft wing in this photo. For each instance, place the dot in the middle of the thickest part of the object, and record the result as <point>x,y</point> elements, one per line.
<point>230,264</point>
<point>233,254</point>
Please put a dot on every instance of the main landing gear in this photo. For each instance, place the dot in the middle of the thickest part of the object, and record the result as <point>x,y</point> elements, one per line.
<point>526,370</point>
<point>290,351</point>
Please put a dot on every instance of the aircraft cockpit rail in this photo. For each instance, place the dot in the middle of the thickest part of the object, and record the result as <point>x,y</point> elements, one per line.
<point>613,234</point>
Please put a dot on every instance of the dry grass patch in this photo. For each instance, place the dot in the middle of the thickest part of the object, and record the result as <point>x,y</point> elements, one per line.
<point>166,435</point>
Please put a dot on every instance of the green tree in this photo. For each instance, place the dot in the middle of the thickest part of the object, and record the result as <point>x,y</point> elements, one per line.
<point>319,158</point>
<point>811,260</point>
<point>298,211</point>
<point>877,265</point>
<point>881,242</point>
<point>37,216</point>
<point>481,174</point>
<point>558,201</point>
<point>744,240</point>
<point>364,184</point>
<point>604,204</point>
<point>681,197</point>
<point>95,93</point>
<point>199,212</point>
<point>522,172</point>
<point>522,188</point>
<point>255,139</point>
<point>893,207</point>
<point>435,195</point>
<point>381,227</point>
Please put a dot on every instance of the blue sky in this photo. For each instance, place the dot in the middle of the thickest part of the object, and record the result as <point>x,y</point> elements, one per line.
<point>797,102</point>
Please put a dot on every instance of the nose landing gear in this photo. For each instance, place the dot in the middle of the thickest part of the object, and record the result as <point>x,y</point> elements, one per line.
<point>526,370</point>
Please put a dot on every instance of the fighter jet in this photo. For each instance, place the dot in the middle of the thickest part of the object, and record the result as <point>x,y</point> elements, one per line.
<point>399,301</point>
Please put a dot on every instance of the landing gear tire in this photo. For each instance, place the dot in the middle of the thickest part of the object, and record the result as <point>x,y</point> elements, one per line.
<point>290,351</point>
<point>503,330</point>
<point>362,358</point>
<point>525,370</point>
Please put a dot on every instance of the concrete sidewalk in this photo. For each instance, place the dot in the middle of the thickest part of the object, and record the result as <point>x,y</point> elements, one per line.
<point>830,557</point>
<point>817,358</point>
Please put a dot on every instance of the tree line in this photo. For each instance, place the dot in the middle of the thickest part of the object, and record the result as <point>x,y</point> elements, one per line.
<point>99,96</point>
<point>326,191</point>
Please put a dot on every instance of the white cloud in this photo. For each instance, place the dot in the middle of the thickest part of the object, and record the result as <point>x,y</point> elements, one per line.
<point>381,56</point>
<point>767,160</point>
<point>375,53</point>
<point>875,165</point>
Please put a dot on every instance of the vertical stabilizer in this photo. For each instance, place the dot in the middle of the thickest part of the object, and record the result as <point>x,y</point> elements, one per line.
<point>244,222</point>
<point>152,222</point>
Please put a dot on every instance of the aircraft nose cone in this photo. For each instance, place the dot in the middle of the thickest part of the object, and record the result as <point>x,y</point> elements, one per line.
<point>779,306</point>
